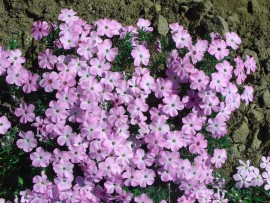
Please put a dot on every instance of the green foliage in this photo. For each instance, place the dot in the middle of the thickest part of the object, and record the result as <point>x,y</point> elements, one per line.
<point>247,195</point>
<point>123,58</point>
<point>12,44</point>
<point>157,194</point>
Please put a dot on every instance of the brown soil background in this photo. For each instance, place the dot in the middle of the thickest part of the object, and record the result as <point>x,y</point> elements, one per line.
<point>249,126</point>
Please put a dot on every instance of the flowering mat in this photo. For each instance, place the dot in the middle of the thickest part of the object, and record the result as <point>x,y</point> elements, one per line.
<point>116,113</point>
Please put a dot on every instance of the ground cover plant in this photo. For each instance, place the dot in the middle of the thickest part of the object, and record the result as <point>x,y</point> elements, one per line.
<point>114,113</point>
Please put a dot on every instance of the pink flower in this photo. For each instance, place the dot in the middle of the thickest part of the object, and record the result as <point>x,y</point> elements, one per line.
<point>143,198</point>
<point>41,183</point>
<point>191,124</point>
<point>256,178</point>
<point>40,158</point>
<point>140,55</point>
<point>28,141</point>
<point>47,59</point>
<point>15,57</point>
<point>142,160</point>
<point>4,125</point>
<point>99,66</point>
<point>162,88</point>
<point>26,112</point>
<point>49,81</point>
<point>265,162</point>
<point>144,24</point>
<point>198,144</point>
<point>68,16</point>
<point>247,95</point>
<point>218,48</point>
<point>146,177</point>
<point>31,82</point>
<point>40,29</point>
<point>105,50</point>
<point>219,157</point>
<point>217,127</point>
<point>225,69</point>
<point>69,40</point>
<point>117,116</point>
<point>232,40</point>
<point>243,180</point>
<point>173,104</point>
<point>182,39</point>
<point>87,49</point>
<point>250,64</point>
<point>218,82</point>
<point>16,74</point>
<point>199,81</point>
<point>57,111</point>
<point>173,140</point>
<point>107,27</point>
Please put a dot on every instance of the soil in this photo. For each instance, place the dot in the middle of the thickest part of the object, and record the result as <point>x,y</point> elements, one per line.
<point>249,18</point>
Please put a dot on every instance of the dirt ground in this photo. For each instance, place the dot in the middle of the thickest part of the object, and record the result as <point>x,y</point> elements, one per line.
<point>249,126</point>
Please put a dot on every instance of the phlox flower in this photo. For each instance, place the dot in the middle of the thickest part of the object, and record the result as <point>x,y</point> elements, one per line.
<point>66,80</point>
<point>218,82</point>
<point>199,81</point>
<point>63,167</point>
<point>169,159</point>
<point>219,197</point>
<point>113,185</point>
<point>137,107</point>
<point>155,141</point>
<point>146,177</point>
<point>173,104</point>
<point>105,50</point>
<point>232,40</point>
<point>141,159</point>
<point>41,183</point>
<point>107,27</point>
<point>143,198</point>
<point>87,49</point>
<point>182,39</point>
<point>239,71</point>
<point>65,136</point>
<point>243,180</point>
<point>219,157</point>
<point>146,83</point>
<point>69,40</point>
<point>16,58</point>
<point>16,74</point>
<point>144,24</point>
<point>175,27</point>
<point>140,55</point>
<point>233,102</point>
<point>28,141</point>
<point>63,182</point>
<point>225,69</point>
<point>109,167</point>
<point>47,59</point>
<point>173,141</point>
<point>247,95</point>
<point>218,48</point>
<point>180,67</point>
<point>124,154</point>
<point>68,16</point>
<point>244,168</point>
<point>40,29</point>
<point>217,127</point>
<point>40,158</point>
<point>25,112</point>
<point>117,116</point>
<point>99,66</point>
<point>162,88</point>
<point>159,126</point>
<point>4,62</point>
<point>57,111</point>
<point>197,51</point>
<point>250,64</point>
<point>256,178</point>
<point>198,144</point>
<point>49,81</point>
<point>130,177</point>
<point>4,125</point>
<point>191,124</point>
<point>265,162</point>
<point>30,84</point>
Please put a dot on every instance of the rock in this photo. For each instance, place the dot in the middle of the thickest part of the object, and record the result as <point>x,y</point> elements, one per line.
<point>266,98</point>
<point>267,66</point>
<point>267,116</point>
<point>198,10</point>
<point>163,27</point>
<point>158,7</point>
<point>253,7</point>
<point>240,135</point>
<point>256,143</point>
<point>256,115</point>
<point>215,24</point>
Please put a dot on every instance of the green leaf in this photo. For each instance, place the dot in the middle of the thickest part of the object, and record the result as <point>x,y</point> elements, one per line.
<point>20,181</point>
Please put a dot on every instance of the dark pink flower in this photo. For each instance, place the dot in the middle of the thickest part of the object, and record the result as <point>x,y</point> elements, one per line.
<point>198,144</point>
<point>40,29</point>
<point>25,112</point>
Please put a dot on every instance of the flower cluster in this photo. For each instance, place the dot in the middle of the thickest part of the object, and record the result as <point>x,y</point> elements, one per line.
<point>250,176</point>
<point>125,131</point>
